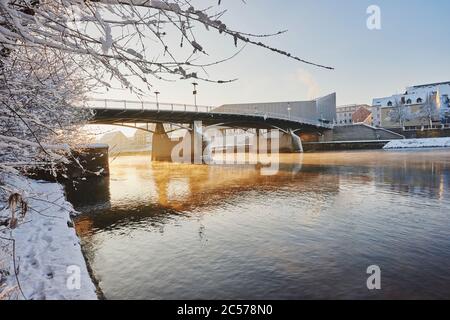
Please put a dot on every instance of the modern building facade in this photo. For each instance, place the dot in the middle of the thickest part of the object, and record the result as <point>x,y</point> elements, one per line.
<point>321,109</point>
<point>414,102</point>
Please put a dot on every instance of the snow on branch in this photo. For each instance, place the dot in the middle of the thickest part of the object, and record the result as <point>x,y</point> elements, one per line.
<point>38,91</point>
<point>125,37</point>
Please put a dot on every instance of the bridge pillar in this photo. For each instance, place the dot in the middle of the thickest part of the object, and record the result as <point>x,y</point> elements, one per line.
<point>283,142</point>
<point>290,142</point>
<point>193,148</point>
<point>258,135</point>
<point>200,146</point>
<point>162,145</point>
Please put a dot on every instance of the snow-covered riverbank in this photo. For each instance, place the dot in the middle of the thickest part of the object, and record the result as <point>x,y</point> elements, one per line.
<point>48,254</point>
<point>419,143</point>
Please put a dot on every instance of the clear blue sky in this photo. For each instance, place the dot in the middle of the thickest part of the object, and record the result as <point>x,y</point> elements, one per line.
<point>411,48</point>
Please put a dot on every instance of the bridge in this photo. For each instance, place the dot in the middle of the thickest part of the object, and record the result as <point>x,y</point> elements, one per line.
<point>118,112</point>
<point>139,114</point>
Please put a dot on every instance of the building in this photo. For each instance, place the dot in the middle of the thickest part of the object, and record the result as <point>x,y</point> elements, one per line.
<point>363,115</point>
<point>116,141</point>
<point>321,109</point>
<point>353,113</point>
<point>413,102</point>
<point>141,141</point>
<point>142,138</point>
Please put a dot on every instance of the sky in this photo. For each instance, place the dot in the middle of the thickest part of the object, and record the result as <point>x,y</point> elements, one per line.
<point>411,48</point>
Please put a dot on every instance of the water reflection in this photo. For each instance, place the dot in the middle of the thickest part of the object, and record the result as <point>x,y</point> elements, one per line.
<point>156,190</point>
<point>89,195</point>
<point>187,231</point>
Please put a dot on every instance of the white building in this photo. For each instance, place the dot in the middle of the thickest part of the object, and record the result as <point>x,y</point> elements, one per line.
<point>414,97</point>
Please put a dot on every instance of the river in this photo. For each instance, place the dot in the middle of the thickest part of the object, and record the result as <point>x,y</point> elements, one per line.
<point>177,231</point>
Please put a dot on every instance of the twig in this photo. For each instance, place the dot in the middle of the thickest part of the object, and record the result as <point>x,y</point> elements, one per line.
<point>14,264</point>
<point>44,215</point>
<point>47,201</point>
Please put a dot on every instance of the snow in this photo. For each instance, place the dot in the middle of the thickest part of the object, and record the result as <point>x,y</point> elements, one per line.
<point>94,146</point>
<point>423,92</point>
<point>47,247</point>
<point>419,143</point>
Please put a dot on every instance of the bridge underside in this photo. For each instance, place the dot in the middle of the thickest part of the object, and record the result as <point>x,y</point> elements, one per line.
<point>292,132</point>
<point>111,116</point>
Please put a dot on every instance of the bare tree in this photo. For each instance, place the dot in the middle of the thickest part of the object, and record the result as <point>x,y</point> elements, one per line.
<point>38,121</point>
<point>400,113</point>
<point>428,110</point>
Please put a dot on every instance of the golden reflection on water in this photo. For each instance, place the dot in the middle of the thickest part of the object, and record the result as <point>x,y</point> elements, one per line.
<point>185,186</point>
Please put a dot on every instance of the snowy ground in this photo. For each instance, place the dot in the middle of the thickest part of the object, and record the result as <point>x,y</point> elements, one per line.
<point>419,143</point>
<point>48,252</point>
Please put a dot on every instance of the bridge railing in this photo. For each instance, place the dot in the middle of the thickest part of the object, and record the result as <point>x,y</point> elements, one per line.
<point>148,105</point>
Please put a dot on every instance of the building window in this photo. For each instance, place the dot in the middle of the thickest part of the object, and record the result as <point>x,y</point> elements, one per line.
<point>408,101</point>
<point>389,104</point>
<point>419,100</point>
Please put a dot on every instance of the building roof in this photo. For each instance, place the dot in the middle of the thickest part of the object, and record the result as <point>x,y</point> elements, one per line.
<point>360,115</point>
<point>341,108</point>
<point>431,84</point>
<point>415,92</point>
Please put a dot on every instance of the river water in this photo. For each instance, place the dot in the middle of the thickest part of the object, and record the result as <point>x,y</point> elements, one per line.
<point>176,231</point>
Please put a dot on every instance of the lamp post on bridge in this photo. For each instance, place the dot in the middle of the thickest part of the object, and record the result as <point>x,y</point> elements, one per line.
<point>195,84</point>
<point>289,110</point>
<point>157,100</point>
